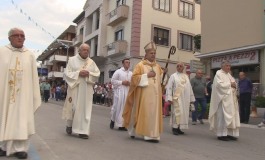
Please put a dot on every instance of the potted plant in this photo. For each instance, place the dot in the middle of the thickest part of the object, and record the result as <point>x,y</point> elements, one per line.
<point>260,102</point>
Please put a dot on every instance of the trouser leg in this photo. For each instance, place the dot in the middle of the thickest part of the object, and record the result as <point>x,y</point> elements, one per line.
<point>248,101</point>
<point>242,109</point>
<point>203,103</point>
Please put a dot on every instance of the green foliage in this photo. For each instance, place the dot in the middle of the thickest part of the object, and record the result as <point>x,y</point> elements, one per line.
<point>260,102</point>
<point>197,42</point>
<point>207,110</point>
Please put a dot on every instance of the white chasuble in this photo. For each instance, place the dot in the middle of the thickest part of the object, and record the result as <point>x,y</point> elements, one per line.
<point>179,91</point>
<point>78,103</point>
<point>224,96</point>
<point>19,93</point>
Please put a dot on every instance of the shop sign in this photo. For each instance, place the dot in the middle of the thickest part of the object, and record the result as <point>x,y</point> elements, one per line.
<point>243,58</point>
<point>195,65</point>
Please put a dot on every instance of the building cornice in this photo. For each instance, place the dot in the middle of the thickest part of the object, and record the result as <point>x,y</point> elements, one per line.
<point>229,51</point>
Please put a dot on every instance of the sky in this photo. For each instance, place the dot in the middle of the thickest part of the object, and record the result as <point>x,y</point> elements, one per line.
<point>42,20</point>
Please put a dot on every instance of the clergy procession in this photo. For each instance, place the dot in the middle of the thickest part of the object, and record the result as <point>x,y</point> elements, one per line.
<point>136,107</point>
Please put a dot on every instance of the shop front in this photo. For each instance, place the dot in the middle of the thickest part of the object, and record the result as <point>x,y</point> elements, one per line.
<point>249,59</point>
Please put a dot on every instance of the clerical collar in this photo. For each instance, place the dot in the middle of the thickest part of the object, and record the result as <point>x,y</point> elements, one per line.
<point>124,69</point>
<point>224,71</point>
<point>16,49</point>
<point>79,57</point>
<point>146,62</point>
<point>179,72</point>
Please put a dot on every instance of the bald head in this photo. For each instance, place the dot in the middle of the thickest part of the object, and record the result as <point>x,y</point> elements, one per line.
<point>199,73</point>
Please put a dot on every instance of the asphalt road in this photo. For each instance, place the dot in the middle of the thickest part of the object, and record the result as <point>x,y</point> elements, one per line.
<point>52,143</point>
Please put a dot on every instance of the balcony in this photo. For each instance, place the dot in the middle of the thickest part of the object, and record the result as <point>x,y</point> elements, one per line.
<point>55,74</point>
<point>117,48</point>
<point>47,63</point>
<point>117,15</point>
<point>78,40</point>
<point>57,58</point>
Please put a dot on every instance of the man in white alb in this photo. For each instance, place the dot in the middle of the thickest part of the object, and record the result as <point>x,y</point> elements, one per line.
<point>180,95</point>
<point>19,95</point>
<point>224,114</point>
<point>121,81</point>
<point>81,73</point>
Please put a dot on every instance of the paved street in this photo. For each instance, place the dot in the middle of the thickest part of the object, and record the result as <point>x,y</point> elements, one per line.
<point>198,143</point>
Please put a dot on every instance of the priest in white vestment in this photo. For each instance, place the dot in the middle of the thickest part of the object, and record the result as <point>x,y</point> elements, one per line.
<point>121,81</point>
<point>19,95</point>
<point>180,95</point>
<point>143,108</point>
<point>81,73</point>
<point>224,113</point>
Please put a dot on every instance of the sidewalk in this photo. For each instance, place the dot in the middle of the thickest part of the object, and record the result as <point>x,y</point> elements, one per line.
<point>257,120</point>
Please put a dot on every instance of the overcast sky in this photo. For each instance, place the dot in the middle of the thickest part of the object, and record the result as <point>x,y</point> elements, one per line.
<point>54,16</point>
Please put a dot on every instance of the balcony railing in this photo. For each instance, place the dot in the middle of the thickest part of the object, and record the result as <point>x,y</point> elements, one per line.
<point>47,63</point>
<point>57,58</point>
<point>117,48</point>
<point>55,74</point>
<point>117,15</point>
<point>78,40</point>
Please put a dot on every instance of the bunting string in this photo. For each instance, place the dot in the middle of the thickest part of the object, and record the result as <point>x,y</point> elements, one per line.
<point>29,18</point>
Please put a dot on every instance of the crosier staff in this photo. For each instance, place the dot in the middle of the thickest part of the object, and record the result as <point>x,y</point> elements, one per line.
<point>171,52</point>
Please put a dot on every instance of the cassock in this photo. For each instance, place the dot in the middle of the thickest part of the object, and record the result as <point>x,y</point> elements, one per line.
<point>179,91</point>
<point>78,103</point>
<point>224,113</point>
<point>143,108</point>
<point>19,95</point>
<point>120,94</point>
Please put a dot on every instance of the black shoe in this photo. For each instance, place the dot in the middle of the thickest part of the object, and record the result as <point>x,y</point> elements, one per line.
<point>69,130</point>
<point>132,137</point>
<point>152,141</point>
<point>175,131</point>
<point>223,138</point>
<point>122,129</point>
<point>179,131</point>
<point>21,155</point>
<point>83,136</point>
<point>2,153</point>
<point>111,125</point>
<point>231,138</point>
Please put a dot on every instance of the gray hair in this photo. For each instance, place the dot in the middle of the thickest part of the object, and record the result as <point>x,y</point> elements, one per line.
<point>225,62</point>
<point>83,44</point>
<point>10,32</point>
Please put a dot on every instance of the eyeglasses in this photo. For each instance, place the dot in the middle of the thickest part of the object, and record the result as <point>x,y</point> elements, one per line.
<point>179,66</point>
<point>18,35</point>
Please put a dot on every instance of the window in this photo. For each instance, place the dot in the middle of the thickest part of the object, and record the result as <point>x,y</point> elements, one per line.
<point>186,9</point>
<point>163,5</point>
<point>161,36</point>
<point>185,42</point>
<point>81,31</point>
<point>120,2</point>
<point>119,35</point>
